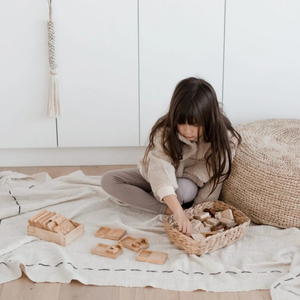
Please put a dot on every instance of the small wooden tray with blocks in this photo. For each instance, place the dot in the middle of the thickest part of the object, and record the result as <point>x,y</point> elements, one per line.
<point>111,251</point>
<point>110,233</point>
<point>134,244</point>
<point>154,257</point>
<point>53,227</point>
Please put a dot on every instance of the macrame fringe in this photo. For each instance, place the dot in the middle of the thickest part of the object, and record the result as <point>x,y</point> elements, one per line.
<point>54,109</point>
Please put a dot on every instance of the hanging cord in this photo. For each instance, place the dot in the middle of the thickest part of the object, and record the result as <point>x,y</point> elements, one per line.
<point>54,107</point>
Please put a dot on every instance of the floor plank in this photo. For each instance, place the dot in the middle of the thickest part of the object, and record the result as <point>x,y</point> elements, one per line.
<point>76,290</point>
<point>17,289</point>
<point>126,293</point>
<point>149,293</point>
<point>55,172</point>
<point>103,169</point>
<point>91,170</point>
<point>202,295</point>
<point>255,295</point>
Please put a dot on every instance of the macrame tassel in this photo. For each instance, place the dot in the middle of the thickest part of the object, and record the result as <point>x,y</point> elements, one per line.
<point>54,107</point>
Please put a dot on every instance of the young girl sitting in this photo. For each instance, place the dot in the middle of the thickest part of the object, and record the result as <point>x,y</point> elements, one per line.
<point>190,152</point>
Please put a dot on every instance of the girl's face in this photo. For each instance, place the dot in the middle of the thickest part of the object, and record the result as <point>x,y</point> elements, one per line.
<point>190,132</point>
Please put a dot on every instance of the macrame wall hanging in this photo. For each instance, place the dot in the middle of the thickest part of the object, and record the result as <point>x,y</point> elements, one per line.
<point>54,107</point>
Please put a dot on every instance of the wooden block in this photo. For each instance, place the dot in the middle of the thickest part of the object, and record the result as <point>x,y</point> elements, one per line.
<point>43,219</point>
<point>228,222</point>
<point>45,223</point>
<point>110,233</point>
<point>197,236</point>
<point>207,224</point>
<point>218,228</point>
<point>203,217</point>
<point>65,227</point>
<point>205,230</point>
<point>54,221</point>
<point>154,257</point>
<point>58,220</point>
<point>227,214</point>
<point>218,215</point>
<point>31,221</point>
<point>213,221</point>
<point>111,251</point>
<point>49,236</point>
<point>134,244</point>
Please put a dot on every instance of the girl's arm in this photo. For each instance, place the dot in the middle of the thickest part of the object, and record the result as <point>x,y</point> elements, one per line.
<point>184,225</point>
<point>203,194</point>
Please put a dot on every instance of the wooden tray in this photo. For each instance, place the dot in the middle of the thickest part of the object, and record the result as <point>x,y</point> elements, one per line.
<point>60,239</point>
<point>134,244</point>
<point>111,251</point>
<point>154,257</point>
<point>110,233</point>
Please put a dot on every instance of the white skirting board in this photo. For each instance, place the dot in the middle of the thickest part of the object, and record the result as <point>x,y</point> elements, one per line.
<point>70,156</point>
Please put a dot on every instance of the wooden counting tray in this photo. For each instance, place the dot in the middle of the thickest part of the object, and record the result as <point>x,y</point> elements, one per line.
<point>110,233</point>
<point>50,236</point>
<point>53,227</point>
<point>111,251</point>
<point>134,244</point>
<point>154,257</point>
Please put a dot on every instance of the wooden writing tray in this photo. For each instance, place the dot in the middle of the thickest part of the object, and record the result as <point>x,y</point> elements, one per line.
<point>60,239</point>
<point>110,233</point>
<point>154,257</point>
<point>134,244</point>
<point>111,251</point>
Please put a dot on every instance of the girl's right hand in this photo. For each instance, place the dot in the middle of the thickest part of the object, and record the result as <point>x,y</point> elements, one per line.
<point>184,224</point>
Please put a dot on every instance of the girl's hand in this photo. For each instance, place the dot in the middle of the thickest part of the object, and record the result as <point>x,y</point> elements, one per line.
<point>184,225</point>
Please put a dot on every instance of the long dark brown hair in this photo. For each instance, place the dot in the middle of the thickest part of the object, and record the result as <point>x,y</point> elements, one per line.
<point>194,102</point>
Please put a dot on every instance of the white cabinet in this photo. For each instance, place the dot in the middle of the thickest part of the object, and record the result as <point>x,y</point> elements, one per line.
<point>178,39</point>
<point>24,75</point>
<point>97,56</point>
<point>262,61</point>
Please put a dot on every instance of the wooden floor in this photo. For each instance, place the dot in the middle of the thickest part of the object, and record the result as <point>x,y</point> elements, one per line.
<point>24,289</point>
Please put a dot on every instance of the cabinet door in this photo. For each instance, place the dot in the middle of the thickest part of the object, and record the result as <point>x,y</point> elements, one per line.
<point>24,76</point>
<point>97,57</point>
<point>262,61</point>
<point>178,39</point>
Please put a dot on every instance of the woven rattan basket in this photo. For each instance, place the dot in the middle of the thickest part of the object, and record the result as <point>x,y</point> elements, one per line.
<point>212,242</point>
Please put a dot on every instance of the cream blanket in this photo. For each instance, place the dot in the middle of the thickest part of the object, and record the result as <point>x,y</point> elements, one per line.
<point>265,258</point>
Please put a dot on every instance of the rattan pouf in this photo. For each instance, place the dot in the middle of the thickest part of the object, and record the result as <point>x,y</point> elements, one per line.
<point>265,178</point>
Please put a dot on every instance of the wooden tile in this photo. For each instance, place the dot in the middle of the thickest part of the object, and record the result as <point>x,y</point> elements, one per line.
<point>110,233</point>
<point>154,257</point>
<point>110,251</point>
<point>134,244</point>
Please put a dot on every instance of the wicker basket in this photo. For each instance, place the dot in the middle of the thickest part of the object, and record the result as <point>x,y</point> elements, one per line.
<point>212,242</point>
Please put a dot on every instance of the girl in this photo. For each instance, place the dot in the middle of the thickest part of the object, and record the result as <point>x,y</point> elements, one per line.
<point>189,154</point>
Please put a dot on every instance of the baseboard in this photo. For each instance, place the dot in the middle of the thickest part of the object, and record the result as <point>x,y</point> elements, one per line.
<point>70,156</point>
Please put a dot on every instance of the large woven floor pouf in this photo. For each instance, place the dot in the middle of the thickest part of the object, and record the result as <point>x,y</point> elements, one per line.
<point>265,178</point>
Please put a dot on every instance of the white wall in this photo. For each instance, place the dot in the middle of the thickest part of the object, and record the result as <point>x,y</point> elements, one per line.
<point>262,60</point>
<point>248,49</point>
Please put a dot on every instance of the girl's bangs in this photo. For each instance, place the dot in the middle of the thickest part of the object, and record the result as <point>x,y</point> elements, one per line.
<point>189,115</point>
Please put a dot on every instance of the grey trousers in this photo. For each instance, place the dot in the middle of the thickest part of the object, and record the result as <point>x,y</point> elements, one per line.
<point>129,186</point>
